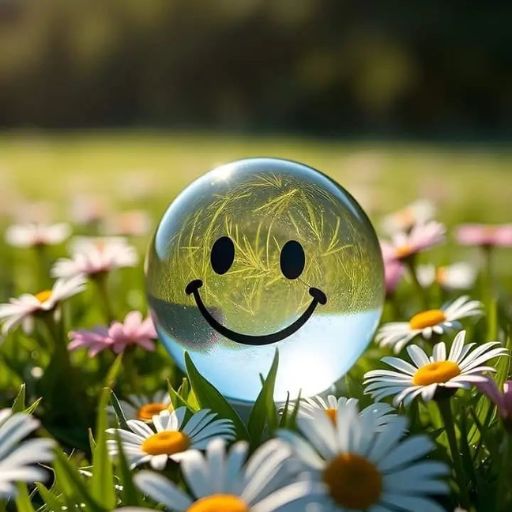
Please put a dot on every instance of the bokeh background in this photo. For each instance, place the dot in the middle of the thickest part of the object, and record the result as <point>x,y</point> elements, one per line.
<point>115,105</point>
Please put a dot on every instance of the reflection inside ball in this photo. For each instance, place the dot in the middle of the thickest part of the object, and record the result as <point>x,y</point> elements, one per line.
<point>263,254</point>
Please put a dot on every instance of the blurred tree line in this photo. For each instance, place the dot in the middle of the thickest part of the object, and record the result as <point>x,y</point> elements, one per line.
<point>332,66</point>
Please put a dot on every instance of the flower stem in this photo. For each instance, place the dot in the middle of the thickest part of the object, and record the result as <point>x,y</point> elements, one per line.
<point>445,410</point>
<point>422,293</point>
<point>101,284</point>
<point>503,494</point>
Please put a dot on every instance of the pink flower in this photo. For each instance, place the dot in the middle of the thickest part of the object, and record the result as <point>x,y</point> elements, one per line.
<point>134,331</point>
<point>503,401</point>
<point>91,256</point>
<point>485,235</point>
<point>419,212</point>
<point>393,273</point>
<point>421,237</point>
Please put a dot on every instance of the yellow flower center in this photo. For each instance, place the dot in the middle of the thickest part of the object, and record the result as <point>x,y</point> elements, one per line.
<point>353,481</point>
<point>167,442</point>
<point>147,411</point>
<point>331,414</point>
<point>436,373</point>
<point>427,318</point>
<point>403,251</point>
<point>43,296</point>
<point>219,503</point>
<point>441,274</point>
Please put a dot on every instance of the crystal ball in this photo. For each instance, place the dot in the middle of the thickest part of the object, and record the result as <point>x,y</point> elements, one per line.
<point>264,254</point>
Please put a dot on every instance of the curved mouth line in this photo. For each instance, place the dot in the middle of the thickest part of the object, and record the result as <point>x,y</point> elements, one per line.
<point>247,339</point>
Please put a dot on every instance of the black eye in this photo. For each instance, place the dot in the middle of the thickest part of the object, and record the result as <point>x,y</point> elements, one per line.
<point>292,259</point>
<point>223,254</point>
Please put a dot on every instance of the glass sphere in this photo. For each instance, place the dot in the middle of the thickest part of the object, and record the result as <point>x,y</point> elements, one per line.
<point>264,254</point>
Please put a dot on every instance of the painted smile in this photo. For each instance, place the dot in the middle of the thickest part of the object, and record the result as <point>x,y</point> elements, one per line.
<point>247,339</point>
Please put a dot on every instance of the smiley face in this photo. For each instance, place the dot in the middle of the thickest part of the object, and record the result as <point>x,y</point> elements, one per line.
<point>264,254</point>
<point>292,262</point>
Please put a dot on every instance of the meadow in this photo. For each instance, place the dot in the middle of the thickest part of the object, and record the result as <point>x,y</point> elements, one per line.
<point>76,385</point>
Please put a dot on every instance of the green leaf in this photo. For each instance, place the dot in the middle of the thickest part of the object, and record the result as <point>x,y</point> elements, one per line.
<point>72,485</point>
<point>264,411</point>
<point>285,412</point>
<point>130,495</point>
<point>51,501</point>
<point>32,407</point>
<point>113,373</point>
<point>177,399</point>
<point>209,397</point>
<point>19,402</point>
<point>23,503</point>
<point>291,422</point>
<point>121,418</point>
<point>102,481</point>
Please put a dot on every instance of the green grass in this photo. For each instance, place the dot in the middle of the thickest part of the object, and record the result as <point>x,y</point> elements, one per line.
<point>146,170</point>
<point>469,181</point>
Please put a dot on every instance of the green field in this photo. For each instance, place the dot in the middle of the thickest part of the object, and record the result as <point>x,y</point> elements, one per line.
<point>469,182</point>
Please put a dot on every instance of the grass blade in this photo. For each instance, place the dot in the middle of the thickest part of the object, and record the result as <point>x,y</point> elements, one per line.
<point>209,397</point>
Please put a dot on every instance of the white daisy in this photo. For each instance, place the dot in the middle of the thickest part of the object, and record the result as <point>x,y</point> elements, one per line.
<point>426,323</point>
<point>33,235</point>
<point>331,407</point>
<point>143,408</point>
<point>18,457</point>
<point>225,481</point>
<point>174,437</point>
<point>363,469</point>
<point>92,256</point>
<point>460,369</point>
<point>418,212</point>
<point>458,276</point>
<point>23,309</point>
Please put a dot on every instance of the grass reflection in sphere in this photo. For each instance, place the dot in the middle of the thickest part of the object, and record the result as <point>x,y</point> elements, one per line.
<point>262,254</point>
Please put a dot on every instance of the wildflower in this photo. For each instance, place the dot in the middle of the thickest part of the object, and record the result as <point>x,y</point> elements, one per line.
<point>393,273</point>
<point>23,309</point>
<point>458,276</point>
<point>428,322</point>
<point>130,223</point>
<point>88,209</point>
<point>174,437</point>
<point>224,480</point>
<point>380,411</point>
<point>502,400</point>
<point>365,469</point>
<point>485,235</point>
<point>460,369</point>
<point>18,456</point>
<point>404,246</point>
<point>418,212</point>
<point>137,407</point>
<point>134,331</point>
<point>93,256</point>
<point>36,235</point>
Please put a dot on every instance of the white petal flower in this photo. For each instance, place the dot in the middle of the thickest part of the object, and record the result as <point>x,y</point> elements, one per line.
<point>380,412</point>
<point>22,310</point>
<point>174,438</point>
<point>32,235</point>
<point>463,367</point>
<point>426,323</point>
<point>143,408</point>
<point>458,276</point>
<point>363,469</point>
<point>224,480</point>
<point>91,256</point>
<point>18,457</point>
